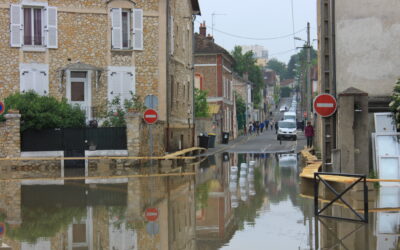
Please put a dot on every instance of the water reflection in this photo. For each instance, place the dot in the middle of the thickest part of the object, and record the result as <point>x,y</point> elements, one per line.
<point>227,201</point>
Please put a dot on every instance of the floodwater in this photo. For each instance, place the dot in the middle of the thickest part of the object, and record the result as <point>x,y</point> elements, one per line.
<point>227,201</point>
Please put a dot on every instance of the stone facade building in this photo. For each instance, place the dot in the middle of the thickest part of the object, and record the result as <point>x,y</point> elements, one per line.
<point>213,72</point>
<point>92,51</point>
<point>243,87</point>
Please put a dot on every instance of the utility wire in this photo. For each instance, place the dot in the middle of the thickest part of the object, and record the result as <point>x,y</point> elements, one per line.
<point>256,38</point>
<point>294,41</point>
<point>282,52</point>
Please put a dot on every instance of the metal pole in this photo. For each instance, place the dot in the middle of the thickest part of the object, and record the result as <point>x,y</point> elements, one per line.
<point>309,87</point>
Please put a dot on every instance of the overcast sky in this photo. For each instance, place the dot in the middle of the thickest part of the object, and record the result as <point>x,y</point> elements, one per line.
<point>259,19</point>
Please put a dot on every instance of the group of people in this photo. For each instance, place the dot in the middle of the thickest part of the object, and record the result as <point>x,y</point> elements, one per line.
<point>258,127</point>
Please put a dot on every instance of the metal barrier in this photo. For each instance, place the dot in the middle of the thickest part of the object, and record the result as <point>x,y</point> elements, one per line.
<point>318,177</point>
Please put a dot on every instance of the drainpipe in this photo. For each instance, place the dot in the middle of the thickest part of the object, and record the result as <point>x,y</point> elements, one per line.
<point>193,79</point>
<point>168,88</point>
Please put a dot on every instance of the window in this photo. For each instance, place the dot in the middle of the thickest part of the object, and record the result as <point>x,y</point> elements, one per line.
<point>121,83</point>
<point>34,77</point>
<point>78,81</point>
<point>33,25</point>
<point>127,29</point>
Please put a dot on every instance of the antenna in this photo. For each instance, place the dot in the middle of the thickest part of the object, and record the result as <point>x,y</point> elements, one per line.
<point>212,21</point>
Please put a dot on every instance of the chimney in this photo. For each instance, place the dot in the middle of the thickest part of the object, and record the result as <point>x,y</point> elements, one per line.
<point>210,37</point>
<point>203,29</point>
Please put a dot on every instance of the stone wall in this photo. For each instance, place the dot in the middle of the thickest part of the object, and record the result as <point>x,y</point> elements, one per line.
<point>138,133</point>
<point>10,136</point>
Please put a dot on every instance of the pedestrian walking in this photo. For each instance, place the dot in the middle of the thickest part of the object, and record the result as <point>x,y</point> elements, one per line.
<point>250,128</point>
<point>272,125</point>
<point>276,127</point>
<point>266,124</point>
<point>309,133</point>
<point>262,127</point>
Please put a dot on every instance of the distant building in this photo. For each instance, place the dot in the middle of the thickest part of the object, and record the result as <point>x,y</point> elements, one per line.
<point>258,50</point>
<point>213,72</point>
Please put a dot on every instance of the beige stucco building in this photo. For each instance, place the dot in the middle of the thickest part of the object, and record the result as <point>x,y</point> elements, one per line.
<point>359,65</point>
<point>91,51</point>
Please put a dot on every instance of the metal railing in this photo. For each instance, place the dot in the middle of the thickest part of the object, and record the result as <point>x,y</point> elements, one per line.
<point>318,177</point>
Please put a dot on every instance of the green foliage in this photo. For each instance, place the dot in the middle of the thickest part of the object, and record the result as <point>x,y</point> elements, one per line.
<point>247,63</point>
<point>285,91</point>
<point>297,65</point>
<point>240,111</point>
<point>277,91</point>
<point>200,103</point>
<point>201,195</point>
<point>395,103</point>
<point>42,112</point>
<point>43,222</point>
<point>116,110</point>
<point>279,67</point>
<point>372,175</point>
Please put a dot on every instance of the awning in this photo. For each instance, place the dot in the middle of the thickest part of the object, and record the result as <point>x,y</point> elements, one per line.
<point>80,66</point>
<point>213,109</point>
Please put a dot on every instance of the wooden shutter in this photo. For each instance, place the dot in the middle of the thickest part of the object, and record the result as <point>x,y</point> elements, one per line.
<point>26,78</point>
<point>51,27</point>
<point>16,32</point>
<point>128,85</point>
<point>116,32</point>
<point>41,80</point>
<point>171,31</point>
<point>114,84</point>
<point>137,29</point>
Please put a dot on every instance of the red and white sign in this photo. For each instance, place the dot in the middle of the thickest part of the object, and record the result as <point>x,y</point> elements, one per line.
<point>2,108</point>
<point>325,105</point>
<point>151,214</point>
<point>150,116</point>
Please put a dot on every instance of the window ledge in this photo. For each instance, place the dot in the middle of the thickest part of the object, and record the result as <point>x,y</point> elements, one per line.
<point>122,50</point>
<point>34,48</point>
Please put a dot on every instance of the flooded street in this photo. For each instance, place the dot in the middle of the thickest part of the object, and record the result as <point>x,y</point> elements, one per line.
<point>226,201</point>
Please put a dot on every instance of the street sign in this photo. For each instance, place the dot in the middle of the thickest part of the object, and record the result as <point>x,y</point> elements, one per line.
<point>2,229</point>
<point>325,105</point>
<point>2,108</point>
<point>151,214</point>
<point>150,116</point>
<point>152,228</point>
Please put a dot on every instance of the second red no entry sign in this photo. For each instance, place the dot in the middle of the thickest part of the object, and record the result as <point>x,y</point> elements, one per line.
<point>150,116</point>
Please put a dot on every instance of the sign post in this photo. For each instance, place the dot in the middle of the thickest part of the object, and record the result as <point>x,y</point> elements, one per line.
<point>2,108</point>
<point>325,105</point>
<point>2,229</point>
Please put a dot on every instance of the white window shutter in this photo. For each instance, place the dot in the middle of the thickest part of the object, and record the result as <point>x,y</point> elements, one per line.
<point>128,85</point>
<point>16,32</point>
<point>26,78</point>
<point>137,29</point>
<point>116,32</point>
<point>114,85</point>
<point>51,27</point>
<point>171,27</point>
<point>41,81</point>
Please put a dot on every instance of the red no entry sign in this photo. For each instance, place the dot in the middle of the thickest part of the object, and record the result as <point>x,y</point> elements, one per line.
<point>325,105</point>
<point>150,116</point>
<point>151,214</point>
<point>2,108</point>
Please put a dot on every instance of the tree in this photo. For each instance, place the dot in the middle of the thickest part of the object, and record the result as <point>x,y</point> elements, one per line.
<point>240,111</point>
<point>285,91</point>
<point>279,67</point>
<point>395,103</point>
<point>42,112</point>
<point>298,62</point>
<point>200,103</point>
<point>246,63</point>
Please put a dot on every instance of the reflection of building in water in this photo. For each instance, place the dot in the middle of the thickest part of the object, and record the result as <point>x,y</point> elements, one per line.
<point>99,216</point>
<point>214,214</point>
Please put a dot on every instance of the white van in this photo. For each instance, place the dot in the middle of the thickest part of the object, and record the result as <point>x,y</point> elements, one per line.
<point>289,116</point>
<point>287,129</point>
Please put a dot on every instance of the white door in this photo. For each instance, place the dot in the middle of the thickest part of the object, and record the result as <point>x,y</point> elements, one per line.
<point>79,91</point>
